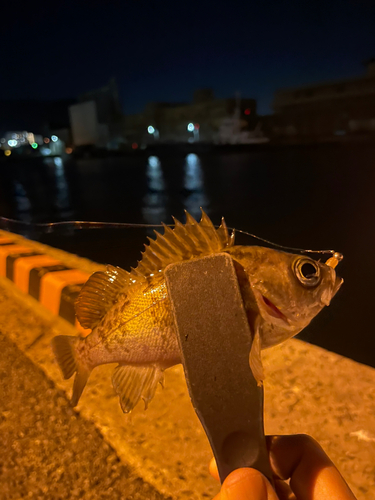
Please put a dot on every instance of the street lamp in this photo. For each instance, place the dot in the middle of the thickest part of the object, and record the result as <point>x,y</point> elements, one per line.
<point>153,131</point>
<point>195,129</point>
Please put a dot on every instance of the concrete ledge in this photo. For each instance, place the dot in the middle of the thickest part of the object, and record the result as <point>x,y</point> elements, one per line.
<point>307,390</point>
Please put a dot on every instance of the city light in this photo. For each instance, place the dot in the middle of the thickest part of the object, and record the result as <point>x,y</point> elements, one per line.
<point>12,143</point>
<point>30,137</point>
<point>7,152</point>
<point>46,140</point>
<point>195,129</point>
<point>34,145</point>
<point>153,131</point>
<point>68,151</point>
<point>134,145</point>
<point>247,111</point>
<point>54,138</point>
<point>154,161</point>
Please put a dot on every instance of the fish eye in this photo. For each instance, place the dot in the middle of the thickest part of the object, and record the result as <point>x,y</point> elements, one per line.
<point>307,272</point>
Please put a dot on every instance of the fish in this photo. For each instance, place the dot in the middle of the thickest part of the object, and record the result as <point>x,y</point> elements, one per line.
<point>132,323</point>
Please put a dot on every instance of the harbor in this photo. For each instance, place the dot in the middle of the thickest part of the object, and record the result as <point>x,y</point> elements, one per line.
<point>316,188</point>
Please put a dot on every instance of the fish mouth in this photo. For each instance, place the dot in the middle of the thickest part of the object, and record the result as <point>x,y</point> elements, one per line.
<point>273,310</point>
<point>339,281</point>
<point>329,293</point>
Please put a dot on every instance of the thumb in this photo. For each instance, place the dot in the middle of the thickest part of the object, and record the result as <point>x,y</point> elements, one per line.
<point>247,484</point>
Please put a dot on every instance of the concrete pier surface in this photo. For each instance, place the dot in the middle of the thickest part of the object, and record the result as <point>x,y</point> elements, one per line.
<point>47,450</point>
<point>162,452</point>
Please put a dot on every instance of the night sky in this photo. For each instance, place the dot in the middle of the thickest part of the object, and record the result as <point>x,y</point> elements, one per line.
<point>162,51</point>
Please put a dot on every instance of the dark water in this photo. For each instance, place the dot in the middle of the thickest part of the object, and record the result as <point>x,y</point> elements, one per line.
<point>307,197</point>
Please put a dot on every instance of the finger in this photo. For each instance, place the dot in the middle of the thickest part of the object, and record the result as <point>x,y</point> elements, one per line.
<point>312,474</point>
<point>283,490</point>
<point>213,469</point>
<point>247,484</point>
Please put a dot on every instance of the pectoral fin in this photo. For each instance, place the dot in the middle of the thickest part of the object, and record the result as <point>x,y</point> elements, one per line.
<point>99,293</point>
<point>132,383</point>
<point>255,359</point>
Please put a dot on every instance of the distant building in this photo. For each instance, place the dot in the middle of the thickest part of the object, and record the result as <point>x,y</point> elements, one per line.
<point>107,102</point>
<point>84,123</point>
<point>96,118</point>
<point>321,111</point>
<point>170,120</point>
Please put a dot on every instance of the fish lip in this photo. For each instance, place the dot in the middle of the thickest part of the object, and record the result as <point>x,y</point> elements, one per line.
<point>337,285</point>
<point>330,293</point>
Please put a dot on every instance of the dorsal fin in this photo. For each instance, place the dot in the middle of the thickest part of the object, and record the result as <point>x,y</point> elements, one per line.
<point>183,242</point>
<point>99,293</point>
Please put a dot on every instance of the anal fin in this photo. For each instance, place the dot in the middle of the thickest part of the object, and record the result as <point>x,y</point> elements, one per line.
<point>132,382</point>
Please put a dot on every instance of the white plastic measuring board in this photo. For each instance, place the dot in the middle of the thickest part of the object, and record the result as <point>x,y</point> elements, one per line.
<point>215,341</point>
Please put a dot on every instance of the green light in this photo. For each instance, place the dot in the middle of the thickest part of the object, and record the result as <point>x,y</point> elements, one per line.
<point>34,145</point>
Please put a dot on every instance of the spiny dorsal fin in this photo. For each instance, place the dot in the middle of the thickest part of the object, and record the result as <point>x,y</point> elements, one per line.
<point>183,242</point>
<point>132,383</point>
<point>99,293</point>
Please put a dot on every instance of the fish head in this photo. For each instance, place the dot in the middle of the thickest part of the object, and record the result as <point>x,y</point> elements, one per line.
<point>285,291</point>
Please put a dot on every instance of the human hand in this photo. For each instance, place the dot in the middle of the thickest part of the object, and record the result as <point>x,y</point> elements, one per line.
<point>297,457</point>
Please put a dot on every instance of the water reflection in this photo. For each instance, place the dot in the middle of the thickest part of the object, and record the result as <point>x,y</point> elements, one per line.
<point>263,191</point>
<point>22,202</point>
<point>154,202</point>
<point>62,198</point>
<point>195,196</point>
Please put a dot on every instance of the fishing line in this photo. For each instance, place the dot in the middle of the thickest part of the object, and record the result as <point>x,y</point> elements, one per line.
<point>78,224</point>
<point>49,227</point>
<point>281,246</point>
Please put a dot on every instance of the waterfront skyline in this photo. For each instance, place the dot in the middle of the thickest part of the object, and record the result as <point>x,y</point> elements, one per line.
<point>163,51</point>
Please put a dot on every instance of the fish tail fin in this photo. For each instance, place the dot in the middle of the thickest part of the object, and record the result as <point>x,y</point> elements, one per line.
<point>64,349</point>
<point>80,382</point>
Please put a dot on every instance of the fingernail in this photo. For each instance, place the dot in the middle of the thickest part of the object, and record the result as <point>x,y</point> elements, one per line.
<point>244,484</point>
